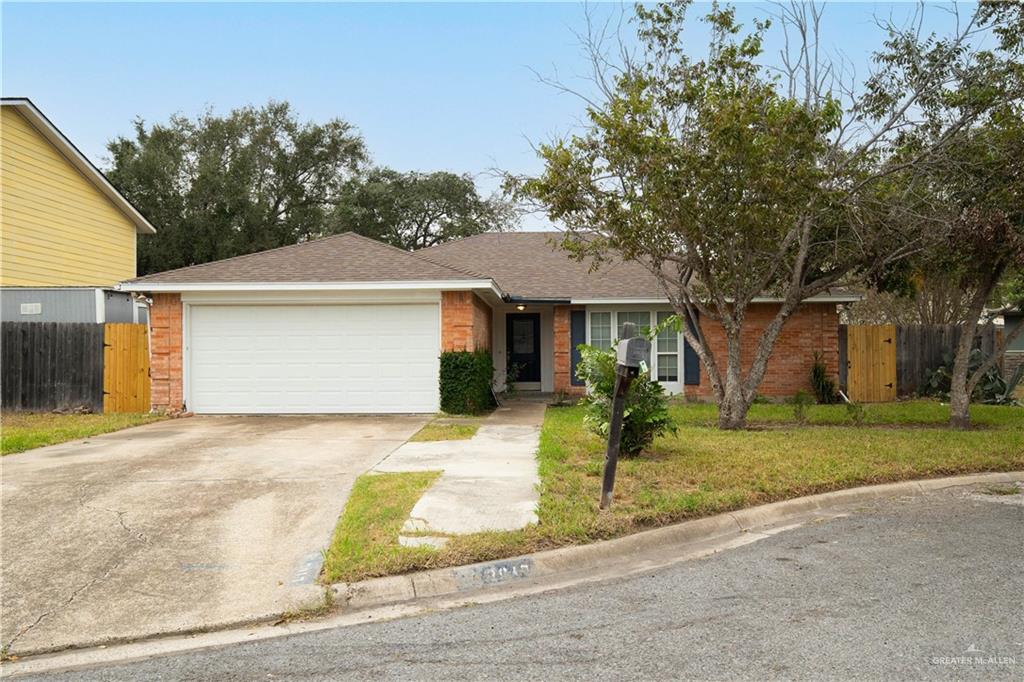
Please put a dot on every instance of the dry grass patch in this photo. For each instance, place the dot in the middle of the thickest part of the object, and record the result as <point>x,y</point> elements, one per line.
<point>445,431</point>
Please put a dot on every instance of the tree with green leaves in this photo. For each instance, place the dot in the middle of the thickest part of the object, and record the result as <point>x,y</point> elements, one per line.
<point>731,181</point>
<point>416,210</point>
<point>979,190</point>
<point>221,186</point>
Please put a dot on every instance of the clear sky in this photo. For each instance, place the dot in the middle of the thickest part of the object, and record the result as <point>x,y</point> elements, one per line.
<point>429,86</point>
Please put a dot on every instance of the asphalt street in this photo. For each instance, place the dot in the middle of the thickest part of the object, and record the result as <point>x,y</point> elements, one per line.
<point>928,587</point>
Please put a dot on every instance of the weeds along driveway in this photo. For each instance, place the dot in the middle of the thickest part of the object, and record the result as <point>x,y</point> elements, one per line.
<point>183,524</point>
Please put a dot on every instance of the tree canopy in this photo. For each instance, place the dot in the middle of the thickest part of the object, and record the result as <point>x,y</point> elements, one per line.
<point>416,210</point>
<point>259,177</point>
<point>730,181</point>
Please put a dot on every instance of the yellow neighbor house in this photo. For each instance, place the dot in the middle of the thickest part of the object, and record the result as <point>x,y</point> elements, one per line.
<point>66,235</point>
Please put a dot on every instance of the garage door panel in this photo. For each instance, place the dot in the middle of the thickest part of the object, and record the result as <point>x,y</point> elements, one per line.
<point>281,359</point>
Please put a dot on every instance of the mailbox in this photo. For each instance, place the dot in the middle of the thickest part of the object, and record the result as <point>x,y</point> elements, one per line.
<point>632,351</point>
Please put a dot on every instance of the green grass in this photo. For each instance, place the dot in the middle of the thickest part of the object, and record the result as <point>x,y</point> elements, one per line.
<point>24,431</point>
<point>365,541</point>
<point>443,431</point>
<point>701,471</point>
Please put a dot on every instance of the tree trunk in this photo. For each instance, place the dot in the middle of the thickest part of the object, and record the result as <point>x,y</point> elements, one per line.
<point>959,395</point>
<point>733,408</point>
<point>959,400</point>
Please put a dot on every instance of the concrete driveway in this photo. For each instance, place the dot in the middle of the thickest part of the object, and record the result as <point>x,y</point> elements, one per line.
<point>183,524</point>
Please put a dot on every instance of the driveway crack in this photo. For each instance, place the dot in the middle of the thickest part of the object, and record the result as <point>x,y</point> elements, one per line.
<point>120,514</point>
<point>132,532</point>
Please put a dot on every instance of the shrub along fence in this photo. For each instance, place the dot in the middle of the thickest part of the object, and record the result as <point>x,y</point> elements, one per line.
<point>920,349</point>
<point>71,366</point>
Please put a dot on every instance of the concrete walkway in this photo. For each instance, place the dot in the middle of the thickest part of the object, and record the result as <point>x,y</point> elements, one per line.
<point>489,482</point>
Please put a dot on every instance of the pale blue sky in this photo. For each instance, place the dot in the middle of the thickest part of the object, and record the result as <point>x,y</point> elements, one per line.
<point>429,86</point>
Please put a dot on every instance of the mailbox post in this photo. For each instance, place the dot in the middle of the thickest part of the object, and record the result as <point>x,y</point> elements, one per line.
<point>632,352</point>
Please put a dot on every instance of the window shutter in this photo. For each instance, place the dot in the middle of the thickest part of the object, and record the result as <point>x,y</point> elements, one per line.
<point>577,335</point>
<point>691,373</point>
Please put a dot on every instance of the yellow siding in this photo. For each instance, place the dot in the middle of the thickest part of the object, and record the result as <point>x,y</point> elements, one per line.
<point>56,227</point>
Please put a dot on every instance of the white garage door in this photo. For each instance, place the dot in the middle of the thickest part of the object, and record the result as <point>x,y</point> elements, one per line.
<point>300,359</point>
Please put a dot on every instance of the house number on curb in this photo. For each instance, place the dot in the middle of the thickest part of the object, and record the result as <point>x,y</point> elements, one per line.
<point>494,573</point>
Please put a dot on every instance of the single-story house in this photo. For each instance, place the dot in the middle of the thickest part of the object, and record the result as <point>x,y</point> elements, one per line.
<point>346,324</point>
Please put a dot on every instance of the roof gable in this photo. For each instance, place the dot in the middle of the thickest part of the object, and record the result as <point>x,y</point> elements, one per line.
<point>69,151</point>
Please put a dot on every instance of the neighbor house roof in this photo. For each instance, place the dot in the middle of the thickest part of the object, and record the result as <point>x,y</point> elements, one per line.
<point>54,136</point>
<point>530,265</point>
<point>346,257</point>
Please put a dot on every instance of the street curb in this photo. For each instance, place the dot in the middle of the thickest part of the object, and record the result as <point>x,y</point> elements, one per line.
<point>563,562</point>
<point>413,593</point>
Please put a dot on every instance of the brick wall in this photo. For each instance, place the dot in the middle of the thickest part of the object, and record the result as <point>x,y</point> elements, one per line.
<point>465,322</point>
<point>563,351</point>
<point>815,326</point>
<point>165,352</point>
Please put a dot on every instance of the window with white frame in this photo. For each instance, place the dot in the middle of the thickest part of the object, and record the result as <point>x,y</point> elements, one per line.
<point>601,330</point>
<point>606,327</point>
<point>641,318</point>
<point>667,350</point>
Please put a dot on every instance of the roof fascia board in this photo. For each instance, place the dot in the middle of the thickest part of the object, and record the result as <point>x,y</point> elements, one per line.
<point>446,285</point>
<point>837,298</point>
<point>67,148</point>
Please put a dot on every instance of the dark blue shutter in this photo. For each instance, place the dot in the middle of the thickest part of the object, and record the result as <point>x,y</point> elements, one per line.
<point>691,366</point>
<point>577,335</point>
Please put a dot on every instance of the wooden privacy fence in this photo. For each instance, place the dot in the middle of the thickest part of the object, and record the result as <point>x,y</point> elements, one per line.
<point>51,366</point>
<point>125,368</point>
<point>871,357</point>
<point>48,366</point>
<point>871,363</point>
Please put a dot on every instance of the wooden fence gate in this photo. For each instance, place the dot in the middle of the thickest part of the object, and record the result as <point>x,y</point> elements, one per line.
<point>125,368</point>
<point>871,363</point>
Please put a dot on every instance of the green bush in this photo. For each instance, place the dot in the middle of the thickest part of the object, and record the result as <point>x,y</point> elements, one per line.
<point>646,414</point>
<point>800,402</point>
<point>824,386</point>
<point>466,382</point>
<point>992,388</point>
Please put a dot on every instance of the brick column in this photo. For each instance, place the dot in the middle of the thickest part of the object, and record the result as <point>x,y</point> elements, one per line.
<point>466,322</point>
<point>165,352</point>
<point>563,351</point>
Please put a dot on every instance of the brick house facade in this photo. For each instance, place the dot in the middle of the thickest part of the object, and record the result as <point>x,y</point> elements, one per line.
<point>352,325</point>
<point>465,322</point>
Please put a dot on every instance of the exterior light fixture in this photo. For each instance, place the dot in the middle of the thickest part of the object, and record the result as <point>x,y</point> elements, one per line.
<point>520,307</point>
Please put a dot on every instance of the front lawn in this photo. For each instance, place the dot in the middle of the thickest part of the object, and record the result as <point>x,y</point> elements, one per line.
<point>701,471</point>
<point>20,431</point>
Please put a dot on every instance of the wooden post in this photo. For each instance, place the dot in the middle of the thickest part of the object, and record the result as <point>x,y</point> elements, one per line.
<point>623,378</point>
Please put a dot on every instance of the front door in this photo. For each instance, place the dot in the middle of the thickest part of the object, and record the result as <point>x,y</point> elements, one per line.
<point>523,345</point>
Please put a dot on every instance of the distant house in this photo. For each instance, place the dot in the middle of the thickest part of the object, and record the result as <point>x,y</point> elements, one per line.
<point>1015,349</point>
<point>66,235</point>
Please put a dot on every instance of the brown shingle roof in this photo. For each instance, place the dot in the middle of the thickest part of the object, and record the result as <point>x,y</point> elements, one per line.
<point>530,265</point>
<point>345,257</point>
